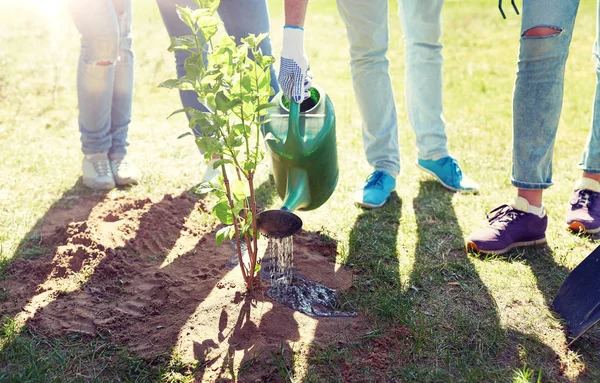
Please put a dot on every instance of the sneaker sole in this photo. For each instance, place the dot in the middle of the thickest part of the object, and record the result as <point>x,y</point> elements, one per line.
<point>472,247</point>
<point>465,191</point>
<point>367,205</point>
<point>98,186</point>
<point>126,181</point>
<point>579,227</point>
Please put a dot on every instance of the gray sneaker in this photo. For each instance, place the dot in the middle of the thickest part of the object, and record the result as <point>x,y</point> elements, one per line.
<point>125,172</point>
<point>97,173</point>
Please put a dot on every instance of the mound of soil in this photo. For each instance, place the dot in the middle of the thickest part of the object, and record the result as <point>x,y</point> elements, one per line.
<point>148,275</point>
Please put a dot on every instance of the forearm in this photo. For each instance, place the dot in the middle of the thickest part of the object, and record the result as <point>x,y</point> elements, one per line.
<point>295,12</point>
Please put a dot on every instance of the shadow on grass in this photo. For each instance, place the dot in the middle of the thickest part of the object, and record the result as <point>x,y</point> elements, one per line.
<point>377,295</point>
<point>455,319</point>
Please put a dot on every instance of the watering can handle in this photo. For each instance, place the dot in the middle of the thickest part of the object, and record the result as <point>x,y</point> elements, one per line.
<point>293,142</point>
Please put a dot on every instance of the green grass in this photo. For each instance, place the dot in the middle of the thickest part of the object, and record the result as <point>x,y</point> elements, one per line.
<point>470,319</point>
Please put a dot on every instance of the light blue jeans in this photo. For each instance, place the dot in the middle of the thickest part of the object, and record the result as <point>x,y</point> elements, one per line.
<point>240,18</point>
<point>368,36</point>
<point>538,94</point>
<point>104,74</point>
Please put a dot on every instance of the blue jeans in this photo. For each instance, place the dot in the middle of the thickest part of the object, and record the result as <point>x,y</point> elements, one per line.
<point>240,18</point>
<point>538,94</point>
<point>104,74</point>
<point>367,29</point>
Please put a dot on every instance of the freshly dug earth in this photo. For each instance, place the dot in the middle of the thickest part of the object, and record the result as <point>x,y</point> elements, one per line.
<point>149,275</point>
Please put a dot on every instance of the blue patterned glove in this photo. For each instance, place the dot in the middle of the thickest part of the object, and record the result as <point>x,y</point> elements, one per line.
<point>294,76</point>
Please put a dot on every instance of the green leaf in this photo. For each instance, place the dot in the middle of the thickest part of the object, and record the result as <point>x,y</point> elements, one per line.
<point>249,165</point>
<point>238,189</point>
<point>209,144</point>
<point>261,37</point>
<point>180,111</point>
<point>234,141</point>
<point>187,43</point>
<point>184,14</point>
<point>208,26</point>
<point>224,104</point>
<point>257,268</point>
<point>179,83</point>
<point>185,135</point>
<point>223,212</point>
<point>223,161</point>
<point>211,5</point>
<point>266,106</point>
<point>224,233</point>
<point>194,67</point>
<point>205,188</point>
<point>238,206</point>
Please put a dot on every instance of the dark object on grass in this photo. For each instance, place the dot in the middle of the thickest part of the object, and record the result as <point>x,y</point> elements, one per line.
<point>578,299</point>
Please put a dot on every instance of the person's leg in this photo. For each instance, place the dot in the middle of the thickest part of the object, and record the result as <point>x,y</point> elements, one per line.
<point>99,28</point>
<point>583,214</point>
<point>547,27</point>
<point>97,23</point>
<point>422,27</point>
<point>123,81</point>
<point>367,29</point>
<point>176,28</point>
<point>244,17</point>
<point>125,173</point>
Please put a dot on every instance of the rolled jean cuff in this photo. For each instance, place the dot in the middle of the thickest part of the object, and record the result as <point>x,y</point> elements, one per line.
<point>393,172</point>
<point>587,170</point>
<point>435,156</point>
<point>529,185</point>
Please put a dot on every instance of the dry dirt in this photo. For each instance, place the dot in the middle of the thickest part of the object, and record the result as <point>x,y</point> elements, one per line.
<point>149,276</point>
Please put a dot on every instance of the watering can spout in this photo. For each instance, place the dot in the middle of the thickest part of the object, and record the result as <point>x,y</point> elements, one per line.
<point>298,195</point>
<point>283,223</point>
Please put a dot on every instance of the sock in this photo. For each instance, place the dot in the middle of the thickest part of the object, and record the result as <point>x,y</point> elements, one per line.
<point>520,203</point>
<point>588,184</point>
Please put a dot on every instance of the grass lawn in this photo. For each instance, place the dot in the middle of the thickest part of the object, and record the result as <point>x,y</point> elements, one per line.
<point>468,319</point>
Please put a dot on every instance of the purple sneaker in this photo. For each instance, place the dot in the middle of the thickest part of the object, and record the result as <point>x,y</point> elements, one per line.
<point>508,227</point>
<point>583,215</point>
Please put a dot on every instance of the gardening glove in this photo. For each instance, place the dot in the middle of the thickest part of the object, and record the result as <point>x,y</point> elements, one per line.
<point>294,76</point>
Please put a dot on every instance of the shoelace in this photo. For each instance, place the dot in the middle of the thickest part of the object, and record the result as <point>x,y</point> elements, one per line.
<point>122,165</point>
<point>102,167</point>
<point>503,214</point>
<point>375,179</point>
<point>584,198</point>
<point>456,168</point>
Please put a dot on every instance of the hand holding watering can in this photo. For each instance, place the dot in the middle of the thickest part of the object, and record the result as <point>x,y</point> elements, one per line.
<point>294,76</point>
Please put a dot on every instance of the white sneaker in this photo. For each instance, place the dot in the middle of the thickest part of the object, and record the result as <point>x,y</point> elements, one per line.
<point>209,173</point>
<point>97,173</point>
<point>125,172</point>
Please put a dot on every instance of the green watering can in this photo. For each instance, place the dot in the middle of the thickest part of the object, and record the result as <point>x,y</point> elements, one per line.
<point>303,157</point>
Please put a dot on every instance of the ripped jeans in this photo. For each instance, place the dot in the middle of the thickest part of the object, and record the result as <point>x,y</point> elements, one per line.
<point>104,74</point>
<point>538,93</point>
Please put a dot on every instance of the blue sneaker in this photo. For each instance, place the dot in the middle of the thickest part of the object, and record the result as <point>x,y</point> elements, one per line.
<point>376,190</point>
<point>447,171</point>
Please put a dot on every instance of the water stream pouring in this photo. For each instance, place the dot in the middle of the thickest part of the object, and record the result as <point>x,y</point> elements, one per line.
<point>303,158</point>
